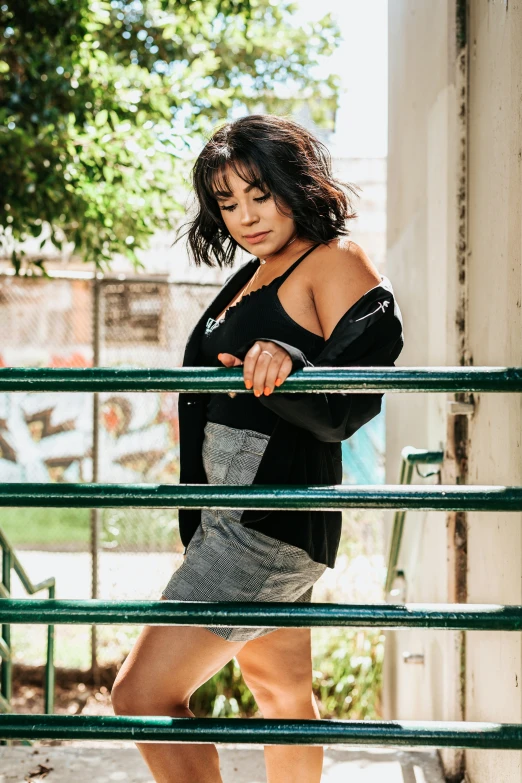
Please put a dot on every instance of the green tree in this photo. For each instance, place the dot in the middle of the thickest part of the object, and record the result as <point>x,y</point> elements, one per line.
<point>103,103</point>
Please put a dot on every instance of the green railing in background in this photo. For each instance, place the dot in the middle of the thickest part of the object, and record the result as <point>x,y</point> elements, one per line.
<point>10,563</point>
<point>466,617</point>
<point>410,458</point>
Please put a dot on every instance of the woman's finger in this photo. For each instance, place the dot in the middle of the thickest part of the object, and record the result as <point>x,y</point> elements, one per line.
<point>249,365</point>
<point>280,367</point>
<point>229,360</point>
<point>264,359</point>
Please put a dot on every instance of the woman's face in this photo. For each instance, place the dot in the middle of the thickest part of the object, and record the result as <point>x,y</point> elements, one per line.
<point>252,218</point>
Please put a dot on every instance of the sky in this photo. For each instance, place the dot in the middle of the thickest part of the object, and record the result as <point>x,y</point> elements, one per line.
<point>362,63</point>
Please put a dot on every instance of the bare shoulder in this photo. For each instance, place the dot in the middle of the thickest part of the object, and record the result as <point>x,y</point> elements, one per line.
<point>344,263</point>
<point>341,273</point>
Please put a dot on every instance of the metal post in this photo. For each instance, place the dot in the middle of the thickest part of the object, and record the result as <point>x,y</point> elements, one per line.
<point>95,512</point>
<point>6,681</point>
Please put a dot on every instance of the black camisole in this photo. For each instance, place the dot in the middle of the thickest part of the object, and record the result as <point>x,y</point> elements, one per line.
<point>258,314</point>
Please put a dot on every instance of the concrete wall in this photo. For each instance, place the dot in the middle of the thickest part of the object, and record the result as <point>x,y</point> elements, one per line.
<point>493,661</point>
<point>454,256</point>
<point>421,247</point>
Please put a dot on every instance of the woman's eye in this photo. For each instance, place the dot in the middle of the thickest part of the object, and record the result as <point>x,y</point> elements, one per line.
<point>260,200</point>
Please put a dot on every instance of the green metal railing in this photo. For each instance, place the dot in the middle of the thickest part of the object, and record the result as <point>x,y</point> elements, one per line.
<point>11,563</point>
<point>410,458</point>
<point>310,379</point>
<point>465,617</point>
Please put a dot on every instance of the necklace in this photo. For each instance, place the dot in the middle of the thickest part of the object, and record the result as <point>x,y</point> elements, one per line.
<point>263,260</point>
<point>250,282</point>
<point>254,276</point>
<point>245,289</point>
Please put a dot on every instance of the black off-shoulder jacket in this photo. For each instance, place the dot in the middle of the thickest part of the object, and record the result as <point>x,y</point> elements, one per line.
<point>305,446</point>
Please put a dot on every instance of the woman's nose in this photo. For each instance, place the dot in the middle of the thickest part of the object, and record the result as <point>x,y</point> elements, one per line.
<point>248,215</point>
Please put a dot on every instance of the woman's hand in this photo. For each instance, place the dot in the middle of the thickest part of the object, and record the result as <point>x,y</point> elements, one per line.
<point>266,365</point>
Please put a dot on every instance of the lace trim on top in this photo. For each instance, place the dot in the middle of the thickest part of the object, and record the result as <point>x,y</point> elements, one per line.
<point>238,304</point>
<point>212,323</point>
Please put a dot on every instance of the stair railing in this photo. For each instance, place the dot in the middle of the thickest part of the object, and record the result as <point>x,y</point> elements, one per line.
<point>465,617</point>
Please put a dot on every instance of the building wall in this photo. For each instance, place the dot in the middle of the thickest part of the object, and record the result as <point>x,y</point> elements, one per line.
<point>454,256</point>
<point>493,661</point>
<point>421,239</point>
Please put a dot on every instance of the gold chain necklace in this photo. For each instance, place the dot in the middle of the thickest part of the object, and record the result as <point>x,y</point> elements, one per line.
<point>252,279</point>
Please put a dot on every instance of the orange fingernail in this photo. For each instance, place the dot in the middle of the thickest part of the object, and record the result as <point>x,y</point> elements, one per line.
<point>257,392</point>
<point>248,384</point>
<point>267,390</point>
<point>278,382</point>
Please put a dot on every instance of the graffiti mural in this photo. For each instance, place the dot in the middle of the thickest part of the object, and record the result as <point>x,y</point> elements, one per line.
<point>48,437</point>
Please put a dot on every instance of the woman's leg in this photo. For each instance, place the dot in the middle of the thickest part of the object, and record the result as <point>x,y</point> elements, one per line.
<point>277,668</point>
<point>163,669</point>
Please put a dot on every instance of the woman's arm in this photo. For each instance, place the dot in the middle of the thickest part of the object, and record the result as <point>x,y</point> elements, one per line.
<point>373,337</point>
<point>338,276</point>
<point>335,416</point>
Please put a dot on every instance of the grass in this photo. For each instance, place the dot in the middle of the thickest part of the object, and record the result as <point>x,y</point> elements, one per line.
<point>46,526</point>
<point>127,529</point>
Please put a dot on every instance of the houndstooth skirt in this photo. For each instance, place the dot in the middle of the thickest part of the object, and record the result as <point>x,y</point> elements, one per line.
<point>226,561</point>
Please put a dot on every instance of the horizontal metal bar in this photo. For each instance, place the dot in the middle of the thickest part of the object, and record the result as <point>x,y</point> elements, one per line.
<point>264,496</point>
<point>463,617</point>
<point>453,734</point>
<point>422,456</point>
<point>310,379</point>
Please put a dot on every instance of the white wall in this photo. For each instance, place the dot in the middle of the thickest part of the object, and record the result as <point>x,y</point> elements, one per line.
<point>454,255</point>
<point>421,262</point>
<point>493,666</point>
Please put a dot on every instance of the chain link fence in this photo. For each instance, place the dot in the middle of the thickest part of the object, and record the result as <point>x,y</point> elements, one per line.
<point>74,322</point>
<point>77,320</point>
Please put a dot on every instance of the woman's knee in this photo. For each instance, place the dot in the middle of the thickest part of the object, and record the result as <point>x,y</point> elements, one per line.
<point>165,667</point>
<point>272,676</point>
<point>283,703</point>
<point>134,699</point>
<point>289,692</point>
<point>134,692</point>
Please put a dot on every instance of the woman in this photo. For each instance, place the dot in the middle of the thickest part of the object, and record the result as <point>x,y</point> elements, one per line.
<point>308,298</point>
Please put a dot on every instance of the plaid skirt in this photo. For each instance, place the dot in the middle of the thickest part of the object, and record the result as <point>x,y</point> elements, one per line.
<point>226,561</point>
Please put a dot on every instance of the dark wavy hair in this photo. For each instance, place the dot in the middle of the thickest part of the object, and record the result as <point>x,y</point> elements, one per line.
<point>277,155</point>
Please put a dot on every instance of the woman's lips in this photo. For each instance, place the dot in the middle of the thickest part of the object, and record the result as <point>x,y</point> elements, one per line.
<point>254,240</point>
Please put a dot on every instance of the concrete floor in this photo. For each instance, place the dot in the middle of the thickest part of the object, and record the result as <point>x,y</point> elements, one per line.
<point>102,762</point>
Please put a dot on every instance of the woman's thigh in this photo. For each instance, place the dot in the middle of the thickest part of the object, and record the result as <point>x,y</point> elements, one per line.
<point>278,664</point>
<point>167,664</point>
